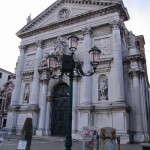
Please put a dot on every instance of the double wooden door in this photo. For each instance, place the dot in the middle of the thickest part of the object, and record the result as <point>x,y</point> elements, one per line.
<point>59,110</point>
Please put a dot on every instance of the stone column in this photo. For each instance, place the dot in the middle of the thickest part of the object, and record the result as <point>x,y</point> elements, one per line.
<point>18,81</point>
<point>48,112</point>
<point>86,82</point>
<point>144,98</point>
<point>136,105</point>
<point>74,107</point>
<point>36,76</point>
<point>118,63</point>
<point>42,115</point>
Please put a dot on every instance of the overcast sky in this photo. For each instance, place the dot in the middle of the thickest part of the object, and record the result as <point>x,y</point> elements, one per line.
<point>13,14</point>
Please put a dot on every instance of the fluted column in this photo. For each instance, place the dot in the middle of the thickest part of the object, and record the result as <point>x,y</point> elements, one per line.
<point>74,107</point>
<point>36,76</point>
<point>42,115</point>
<point>20,67</point>
<point>86,82</point>
<point>118,63</point>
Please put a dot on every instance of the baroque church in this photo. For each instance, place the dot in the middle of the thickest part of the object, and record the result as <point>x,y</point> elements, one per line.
<point>117,95</point>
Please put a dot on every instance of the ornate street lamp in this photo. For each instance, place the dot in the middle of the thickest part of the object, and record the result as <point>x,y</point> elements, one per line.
<point>69,65</point>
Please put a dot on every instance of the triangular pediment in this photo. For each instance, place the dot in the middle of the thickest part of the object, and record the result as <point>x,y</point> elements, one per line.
<point>63,10</point>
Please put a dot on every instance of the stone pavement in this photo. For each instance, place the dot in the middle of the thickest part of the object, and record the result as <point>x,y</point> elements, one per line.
<point>53,143</point>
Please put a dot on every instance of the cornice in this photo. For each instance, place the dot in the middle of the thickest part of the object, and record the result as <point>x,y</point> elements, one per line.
<point>29,72</point>
<point>114,8</point>
<point>105,60</point>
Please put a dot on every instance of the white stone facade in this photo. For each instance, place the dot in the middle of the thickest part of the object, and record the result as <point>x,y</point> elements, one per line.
<point>115,96</point>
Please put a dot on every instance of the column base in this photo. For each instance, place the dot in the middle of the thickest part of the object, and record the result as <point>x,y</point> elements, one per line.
<point>40,132</point>
<point>140,138</point>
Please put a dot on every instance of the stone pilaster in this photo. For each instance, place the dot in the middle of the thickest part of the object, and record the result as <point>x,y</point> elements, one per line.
<point>42,114</point>
<point>36,76</point>
<point>118,63</point>
<point>18,81</point>
<point>86,82</point>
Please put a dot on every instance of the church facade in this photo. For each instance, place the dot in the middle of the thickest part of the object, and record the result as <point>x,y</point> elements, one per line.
<point>117,95</point>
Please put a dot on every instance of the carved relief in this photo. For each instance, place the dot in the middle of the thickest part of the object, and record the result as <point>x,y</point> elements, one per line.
<point>103,87</point>
<point>26,93</point>
<point>59,47</point>
<point>63,13</point>
<point>103,45</point>
<point>30,61</point>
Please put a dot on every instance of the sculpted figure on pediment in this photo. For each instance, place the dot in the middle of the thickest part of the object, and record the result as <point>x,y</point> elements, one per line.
<point>29,19</point>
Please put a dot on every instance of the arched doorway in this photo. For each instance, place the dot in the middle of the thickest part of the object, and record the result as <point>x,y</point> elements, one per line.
<point>59,110</point>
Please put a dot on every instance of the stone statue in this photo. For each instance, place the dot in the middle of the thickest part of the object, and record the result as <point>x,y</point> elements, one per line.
<point>29,19</point>
<point>132,39</point>
<point>103,90</point>
<point>26,94</point>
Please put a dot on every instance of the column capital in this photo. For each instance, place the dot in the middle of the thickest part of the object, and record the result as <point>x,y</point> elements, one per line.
<point>44,79</point>
<point>116,24</point>
<point>22,48</point>
<point>39,43</point>
<point>87,31</point>
<point>136,73</point>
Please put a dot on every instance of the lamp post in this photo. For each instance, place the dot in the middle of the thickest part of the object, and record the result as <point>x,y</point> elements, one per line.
<point>70,66</point>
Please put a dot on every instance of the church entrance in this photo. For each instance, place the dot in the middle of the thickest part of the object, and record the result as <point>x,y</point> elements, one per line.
<point>59,110</point>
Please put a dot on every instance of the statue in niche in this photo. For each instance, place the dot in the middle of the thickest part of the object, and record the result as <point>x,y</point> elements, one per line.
<point>26,93</point>
<point>103,90</point>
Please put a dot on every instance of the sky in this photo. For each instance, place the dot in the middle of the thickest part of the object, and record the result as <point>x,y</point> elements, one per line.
<point>13,15</point>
